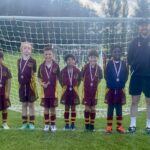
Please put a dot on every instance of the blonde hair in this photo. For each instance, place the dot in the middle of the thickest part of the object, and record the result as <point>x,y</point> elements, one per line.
<point>26,43</point>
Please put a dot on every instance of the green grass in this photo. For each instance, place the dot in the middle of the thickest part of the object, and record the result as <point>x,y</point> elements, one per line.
<point>75,140</point>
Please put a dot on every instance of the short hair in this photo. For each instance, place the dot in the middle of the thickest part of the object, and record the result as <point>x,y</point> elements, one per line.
<point>69,56</point>
<point>23,43</point>
<point>48,49</point>
<point>113,47</point>
<point>93,53</point>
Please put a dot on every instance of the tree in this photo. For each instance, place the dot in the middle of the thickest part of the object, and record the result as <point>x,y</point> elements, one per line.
<point>143,9</point>
<point>116,8</point>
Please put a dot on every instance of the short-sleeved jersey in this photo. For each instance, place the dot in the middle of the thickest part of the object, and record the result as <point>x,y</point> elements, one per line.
<point>90,92</point>
<point>70,97</point>
<point>5,74</point>
<point>51,90</point>
<point>25,76</point>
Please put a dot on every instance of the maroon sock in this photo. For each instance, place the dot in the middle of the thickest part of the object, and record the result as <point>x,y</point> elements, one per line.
<point>53,118</point>
<point>32,119</point>
<point>92,118</point>
<point>109,121</point>
<point>119,120</point>
<point>24,119</point>
<point>46,118</point>
<point>4,116</point>
<point>73,117</point>
<point>66,117</point>
<point>86,117</point>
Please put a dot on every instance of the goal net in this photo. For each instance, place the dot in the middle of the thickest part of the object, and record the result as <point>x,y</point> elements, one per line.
<point>66,35</point>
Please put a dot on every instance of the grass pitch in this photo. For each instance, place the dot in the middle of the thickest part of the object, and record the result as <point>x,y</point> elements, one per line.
<point>75,140</point>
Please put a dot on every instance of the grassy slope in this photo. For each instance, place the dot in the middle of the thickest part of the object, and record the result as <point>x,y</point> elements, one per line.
<point>76,140</point>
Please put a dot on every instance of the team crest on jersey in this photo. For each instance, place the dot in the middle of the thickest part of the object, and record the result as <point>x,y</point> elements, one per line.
<point>30,64</point>
<point>54,70</point>
<point>139,44</point>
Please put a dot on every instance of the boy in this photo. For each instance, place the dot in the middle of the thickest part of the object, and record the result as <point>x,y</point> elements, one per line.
<point>70,80</point>
<point>116,75</point>
<point>48,75</point>
<point>5,84</point>
<point>27,85</point>
<point>92,75</point>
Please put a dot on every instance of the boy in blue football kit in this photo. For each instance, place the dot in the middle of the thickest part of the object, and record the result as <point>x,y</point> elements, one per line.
<point>116,75</point>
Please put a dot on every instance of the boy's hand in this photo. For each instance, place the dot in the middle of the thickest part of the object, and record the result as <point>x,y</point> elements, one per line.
<point>6,95</point>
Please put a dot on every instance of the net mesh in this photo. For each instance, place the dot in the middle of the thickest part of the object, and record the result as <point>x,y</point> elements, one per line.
<point>66,35</point>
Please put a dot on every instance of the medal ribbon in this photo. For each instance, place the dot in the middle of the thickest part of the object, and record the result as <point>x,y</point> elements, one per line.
<point>24,66</point>
<point>48,73</point>
<point>91,76</point>
<point>70,75</point>
<point>117,71</point>
<point>1,72</point>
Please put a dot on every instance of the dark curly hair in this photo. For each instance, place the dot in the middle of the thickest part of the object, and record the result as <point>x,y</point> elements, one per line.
<point>69,56</point>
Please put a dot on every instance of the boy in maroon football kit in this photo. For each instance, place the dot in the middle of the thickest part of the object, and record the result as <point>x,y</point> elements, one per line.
<point>116,75</point>
<point>92,75</point>
<point>48,75</point>
<point>70,80</point>
<point>27,85</point>
<point>5,84</point>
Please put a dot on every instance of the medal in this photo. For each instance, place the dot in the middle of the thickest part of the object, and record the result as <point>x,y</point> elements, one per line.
<point>1,73</point>
<point>70,89</point>
<point>48,74</point>
<point>70,75</point>
<point>24,66</point>
<point>91,84</point>
<point>117,80</point>
<point>117,71</point>
<point>91,76</point>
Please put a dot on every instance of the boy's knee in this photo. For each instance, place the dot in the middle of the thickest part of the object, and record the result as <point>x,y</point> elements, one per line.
<point>31,105</point>
<point>134,102</point>
<point>24,104</point>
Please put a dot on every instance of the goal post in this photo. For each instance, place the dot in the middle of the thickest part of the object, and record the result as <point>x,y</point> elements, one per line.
<point>76,35</point>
